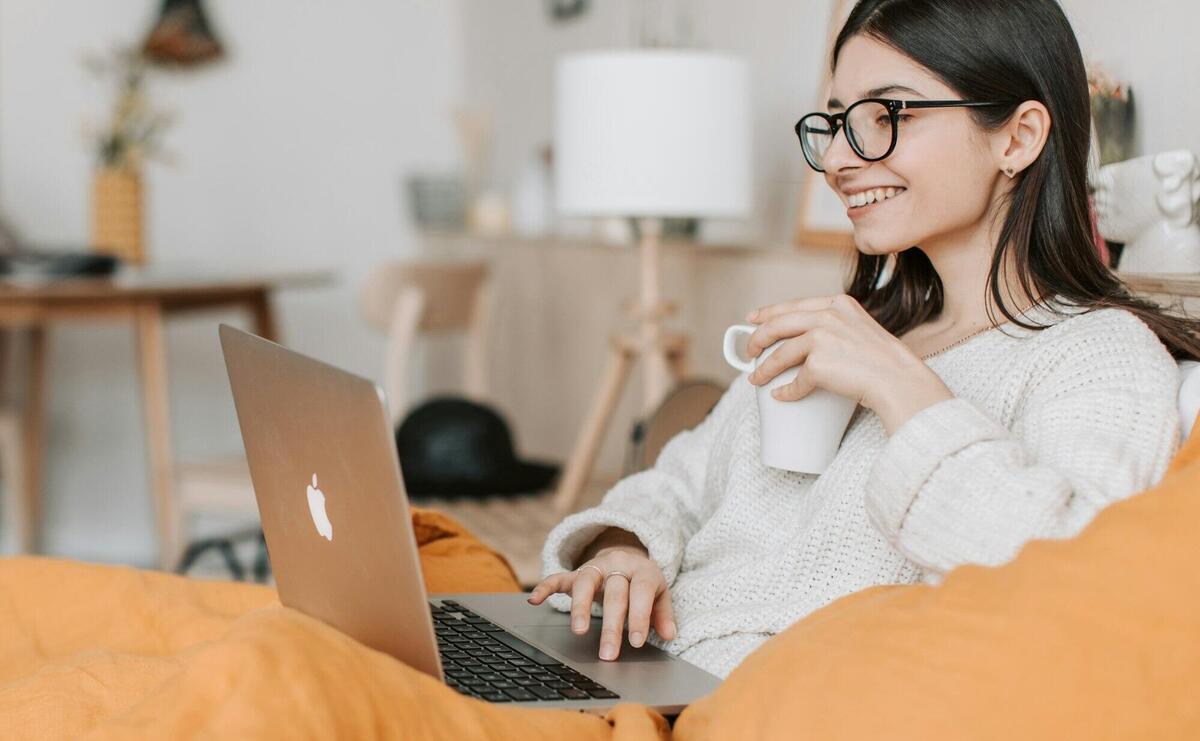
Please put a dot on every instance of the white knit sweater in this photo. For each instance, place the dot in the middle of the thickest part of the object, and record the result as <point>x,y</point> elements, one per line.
<point>1047,428</point>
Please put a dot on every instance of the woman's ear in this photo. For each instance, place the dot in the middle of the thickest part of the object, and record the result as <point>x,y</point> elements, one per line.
<point>1019,142</point>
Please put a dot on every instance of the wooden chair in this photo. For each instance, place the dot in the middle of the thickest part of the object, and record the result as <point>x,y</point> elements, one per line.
<point>17,512</point>
<point>408,299</point>
<point>405,300</point>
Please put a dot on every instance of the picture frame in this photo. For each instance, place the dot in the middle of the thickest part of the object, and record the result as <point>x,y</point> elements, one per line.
<point>821,219</point>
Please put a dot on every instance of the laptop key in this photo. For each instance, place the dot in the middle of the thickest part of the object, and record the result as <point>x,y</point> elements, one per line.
<point>496,697</point>
<point>521,695</point>
<point>490,677</point>
<point>473,681</point>
<point>559,685</point>
<point>602,694</point>
<point>526,681</point>
<point>543,677</point>
<point>503,684</point>
<point>535,655</point>
<point>573,694</point>
<point>544,693</point>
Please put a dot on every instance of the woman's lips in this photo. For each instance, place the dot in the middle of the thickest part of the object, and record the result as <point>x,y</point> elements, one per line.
<point>856,212</point>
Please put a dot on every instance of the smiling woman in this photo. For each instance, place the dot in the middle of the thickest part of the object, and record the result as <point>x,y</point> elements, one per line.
<point>1010,387</point>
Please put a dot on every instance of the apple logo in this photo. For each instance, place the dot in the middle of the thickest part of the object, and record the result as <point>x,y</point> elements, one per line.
<point>316,507</point>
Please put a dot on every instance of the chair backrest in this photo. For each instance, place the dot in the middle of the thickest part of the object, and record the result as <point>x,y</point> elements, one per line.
<point>405,299</point>
<point>683,408</point>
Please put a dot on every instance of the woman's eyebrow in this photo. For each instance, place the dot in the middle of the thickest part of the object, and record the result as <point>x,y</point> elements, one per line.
<point>878,92</point>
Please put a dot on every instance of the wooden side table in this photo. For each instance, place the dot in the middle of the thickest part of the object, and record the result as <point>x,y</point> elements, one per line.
<point>145,297</point>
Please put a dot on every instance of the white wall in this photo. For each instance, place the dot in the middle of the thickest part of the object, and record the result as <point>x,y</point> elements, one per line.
<point>511,48</point>
<point>291,152</point>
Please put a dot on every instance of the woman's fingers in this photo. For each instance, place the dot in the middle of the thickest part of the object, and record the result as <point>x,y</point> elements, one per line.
<point>553,584</point>
<point>583,592</point>
<point>798,388</point>
<point>641,604</point>
<point>616,602</point>
<point>664,615</point>
<point>767,313</point>
<point>788,355</point>
<point>789,325</point>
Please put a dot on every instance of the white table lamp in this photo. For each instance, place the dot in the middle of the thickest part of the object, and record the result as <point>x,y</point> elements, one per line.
<point>648,134</point>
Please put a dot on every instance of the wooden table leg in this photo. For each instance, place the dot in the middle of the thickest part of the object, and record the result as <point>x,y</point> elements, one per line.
<point>264,317</point>
<point>33,441</point>
<point>152,352</point>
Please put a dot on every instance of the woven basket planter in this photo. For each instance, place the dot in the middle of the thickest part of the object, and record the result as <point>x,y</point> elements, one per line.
<point>117,214</point>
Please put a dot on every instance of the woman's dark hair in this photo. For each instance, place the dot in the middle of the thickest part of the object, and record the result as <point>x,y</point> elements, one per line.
<point>1014,51</point>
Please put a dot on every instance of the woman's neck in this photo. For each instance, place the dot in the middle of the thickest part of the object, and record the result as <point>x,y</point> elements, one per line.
<point>963,261</point>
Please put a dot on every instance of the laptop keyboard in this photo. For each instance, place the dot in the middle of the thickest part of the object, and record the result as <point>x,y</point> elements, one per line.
<point>483,660</point>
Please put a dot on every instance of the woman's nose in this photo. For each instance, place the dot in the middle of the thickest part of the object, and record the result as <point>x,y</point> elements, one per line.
<point>840,157</point>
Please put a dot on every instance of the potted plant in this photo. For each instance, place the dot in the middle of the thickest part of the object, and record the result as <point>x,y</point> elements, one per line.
<point>130,136</point>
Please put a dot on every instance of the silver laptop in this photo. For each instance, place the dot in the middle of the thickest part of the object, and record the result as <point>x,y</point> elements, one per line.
<point>335,514</point>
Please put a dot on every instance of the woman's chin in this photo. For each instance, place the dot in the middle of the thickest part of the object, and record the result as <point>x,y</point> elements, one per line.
<point>874,244</point>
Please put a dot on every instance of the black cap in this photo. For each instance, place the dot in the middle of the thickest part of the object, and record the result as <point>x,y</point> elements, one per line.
<point>450,447</point>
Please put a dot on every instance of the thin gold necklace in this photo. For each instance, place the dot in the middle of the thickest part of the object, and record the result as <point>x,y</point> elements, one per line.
<point>960,341</point>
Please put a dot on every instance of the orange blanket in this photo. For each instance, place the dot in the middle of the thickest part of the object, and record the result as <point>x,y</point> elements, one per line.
<point>104,652</point>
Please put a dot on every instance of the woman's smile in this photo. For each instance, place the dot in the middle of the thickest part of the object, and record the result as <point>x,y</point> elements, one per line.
<point>867,201</point>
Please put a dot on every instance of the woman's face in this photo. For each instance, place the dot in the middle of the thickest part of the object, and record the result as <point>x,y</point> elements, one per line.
<point>942,172</point>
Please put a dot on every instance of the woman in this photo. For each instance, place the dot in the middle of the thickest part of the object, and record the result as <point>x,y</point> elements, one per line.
<point>1010,387</point>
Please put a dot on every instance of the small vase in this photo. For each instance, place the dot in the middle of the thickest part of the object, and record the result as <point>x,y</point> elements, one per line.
<point>117,214</point>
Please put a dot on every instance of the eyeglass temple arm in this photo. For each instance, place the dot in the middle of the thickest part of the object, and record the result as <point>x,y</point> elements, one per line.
<point>902,104</point>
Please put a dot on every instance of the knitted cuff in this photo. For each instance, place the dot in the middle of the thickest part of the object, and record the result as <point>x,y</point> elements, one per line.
<point>572,535</point>
<point>915,451</point>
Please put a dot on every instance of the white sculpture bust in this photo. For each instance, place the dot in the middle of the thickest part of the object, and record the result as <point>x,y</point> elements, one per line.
<point>1152,204</point>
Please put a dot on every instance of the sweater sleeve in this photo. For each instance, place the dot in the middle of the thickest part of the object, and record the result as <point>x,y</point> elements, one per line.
<point>953,485</point>
<point>663,505</point>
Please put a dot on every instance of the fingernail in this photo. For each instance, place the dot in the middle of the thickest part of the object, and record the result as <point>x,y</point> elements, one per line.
<point>671,627</point>
<point>578,625</point>
<point>608,651</point>
<point>635,639</point>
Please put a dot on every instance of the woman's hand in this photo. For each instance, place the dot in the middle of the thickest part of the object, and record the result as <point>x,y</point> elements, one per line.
<point>841,348</point>
<point>641,594</point>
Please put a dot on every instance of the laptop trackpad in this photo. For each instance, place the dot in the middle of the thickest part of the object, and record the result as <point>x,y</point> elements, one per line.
<point>585,648</point>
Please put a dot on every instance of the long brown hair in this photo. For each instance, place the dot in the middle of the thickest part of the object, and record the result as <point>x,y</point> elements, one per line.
<point>1008,50</point>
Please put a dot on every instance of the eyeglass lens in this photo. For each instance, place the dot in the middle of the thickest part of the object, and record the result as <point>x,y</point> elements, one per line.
<point>868,128</point>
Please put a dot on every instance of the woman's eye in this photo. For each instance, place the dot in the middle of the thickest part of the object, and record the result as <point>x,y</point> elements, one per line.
<point>903,117</point>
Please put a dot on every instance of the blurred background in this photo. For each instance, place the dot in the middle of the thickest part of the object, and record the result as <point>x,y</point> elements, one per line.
<point>306,145</point>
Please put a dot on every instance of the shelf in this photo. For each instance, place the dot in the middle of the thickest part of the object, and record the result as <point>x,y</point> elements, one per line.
<point>1186,285</point>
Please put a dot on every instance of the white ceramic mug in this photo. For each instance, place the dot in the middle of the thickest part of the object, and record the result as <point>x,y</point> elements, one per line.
<point>802,435</point>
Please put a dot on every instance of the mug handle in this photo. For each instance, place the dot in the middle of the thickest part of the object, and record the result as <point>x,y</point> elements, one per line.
<point>730,346</point>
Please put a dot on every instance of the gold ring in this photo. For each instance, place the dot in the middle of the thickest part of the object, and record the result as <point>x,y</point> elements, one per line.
<point>618,573</point>
<point>591,566</point>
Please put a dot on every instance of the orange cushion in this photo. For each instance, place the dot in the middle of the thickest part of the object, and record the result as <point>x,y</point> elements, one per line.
<point>108,652</point>
<point>1096,637</point>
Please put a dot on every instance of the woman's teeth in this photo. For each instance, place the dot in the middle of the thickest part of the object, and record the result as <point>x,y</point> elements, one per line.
<point>867,197</point>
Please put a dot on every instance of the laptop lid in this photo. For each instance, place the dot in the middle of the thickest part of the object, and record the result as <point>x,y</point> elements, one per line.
<point>331,498</point>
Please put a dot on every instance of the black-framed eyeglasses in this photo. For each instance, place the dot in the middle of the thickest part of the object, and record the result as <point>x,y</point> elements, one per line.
<point>870,124</point>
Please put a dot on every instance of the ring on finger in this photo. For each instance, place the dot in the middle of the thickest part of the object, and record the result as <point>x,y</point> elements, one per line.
<point>618,573</point>
<point>592,566</point>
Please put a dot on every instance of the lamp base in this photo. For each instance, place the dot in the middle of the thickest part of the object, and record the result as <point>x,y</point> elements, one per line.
<point>664,356</point>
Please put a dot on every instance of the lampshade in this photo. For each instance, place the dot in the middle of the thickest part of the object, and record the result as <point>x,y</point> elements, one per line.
<point>652,133</point>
